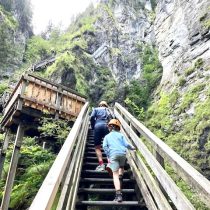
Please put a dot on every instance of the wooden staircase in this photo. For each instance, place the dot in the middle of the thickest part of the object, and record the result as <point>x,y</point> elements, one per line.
<point>96,189</point>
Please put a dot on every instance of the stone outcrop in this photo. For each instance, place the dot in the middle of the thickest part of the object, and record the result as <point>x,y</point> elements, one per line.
<point>122,27</point>
<point>182,36</point>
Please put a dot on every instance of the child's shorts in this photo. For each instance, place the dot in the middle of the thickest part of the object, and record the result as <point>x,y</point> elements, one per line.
<point>117,161</point>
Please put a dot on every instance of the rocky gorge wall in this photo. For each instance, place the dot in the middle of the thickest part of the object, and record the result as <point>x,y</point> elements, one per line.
<point>182,36</point>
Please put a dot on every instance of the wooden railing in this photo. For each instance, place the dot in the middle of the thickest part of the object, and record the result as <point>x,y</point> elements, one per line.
<point>35,93</point>
<point>159,189</point>
<point>65,171</point>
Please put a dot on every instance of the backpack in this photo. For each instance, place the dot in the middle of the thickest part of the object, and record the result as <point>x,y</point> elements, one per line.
<point>110,115</point>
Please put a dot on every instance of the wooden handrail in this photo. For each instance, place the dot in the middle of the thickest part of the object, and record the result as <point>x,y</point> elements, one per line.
<point>184,169</point>
<point>46,194</point>
<point>175,194</point>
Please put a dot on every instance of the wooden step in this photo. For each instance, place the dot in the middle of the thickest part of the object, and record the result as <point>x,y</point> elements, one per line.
<point>94,159</point>
<point>102,191</point>
<point>92,165</point>
<point>90,145</point>
<point>94,154</point>
<point>108,203</point>
<point>104,180</point>
<point>98,172</point>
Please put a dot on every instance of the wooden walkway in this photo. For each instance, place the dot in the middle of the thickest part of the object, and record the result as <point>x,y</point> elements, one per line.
<point>32,98</point>
<point>73,180</point>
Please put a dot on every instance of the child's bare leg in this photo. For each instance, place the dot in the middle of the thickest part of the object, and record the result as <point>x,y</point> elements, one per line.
<point>116,180</point>
<point>98,153</point>
<point>121,171</point>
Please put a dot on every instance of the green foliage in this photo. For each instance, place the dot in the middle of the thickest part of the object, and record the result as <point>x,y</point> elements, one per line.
<point>37,49</point>
<point>64,62</point>
<point>182,81</point>
<point>3,87</point>
<point>138,92</point>
<point>189,71</point>
<point>188,191</point>
<point>186,132</point>
<point>199,62</point>
<point>152,69</point>
<point>206,24</point>
<point>138,111</point>
<point>34,164</point>
<point>7,27</point>
<point>115,51</point>
<point>1,138</point>
<point>190,96</point>
<point>159,115</point>
<point>57,129</point>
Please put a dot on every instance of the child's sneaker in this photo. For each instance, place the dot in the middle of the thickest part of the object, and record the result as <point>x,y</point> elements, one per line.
<point>100,167</point>
<point>109,170</point>
<point>118,197</point>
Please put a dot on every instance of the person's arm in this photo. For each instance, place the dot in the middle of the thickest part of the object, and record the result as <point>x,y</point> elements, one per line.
<point>126,144</point>
<point>105,147</point>
<point>92,119</point>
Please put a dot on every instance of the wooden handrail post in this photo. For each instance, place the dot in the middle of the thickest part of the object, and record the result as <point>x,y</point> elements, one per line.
<point>160,159</point>
<point>12,168</point>
<point>58,102</point>
<point>3,150</point>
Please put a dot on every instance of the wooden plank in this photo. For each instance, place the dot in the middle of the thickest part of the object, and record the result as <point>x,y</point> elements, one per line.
<point>4,149</point>
<point>153,186</point>
<point>12,168</point>
<point>72,195</point>
<point>182,167</point>
<point>13,99</point>
<point>142,186</point>
<point>178,198</point>
<point>73,93</point>
<point>46,194</point>
<point>39,105</point>
<point>32,77</point>
<point>18,86</point>
<point>70,178</point>
<point>29,90</point>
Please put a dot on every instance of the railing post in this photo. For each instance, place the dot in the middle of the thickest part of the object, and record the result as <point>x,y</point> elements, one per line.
<point>12,168</point>
<point>58,102</point>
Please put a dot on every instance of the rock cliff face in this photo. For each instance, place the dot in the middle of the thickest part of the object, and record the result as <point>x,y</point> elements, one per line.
<point>121,28</point>
<point>182,36</point>
<point>14,31</point>
<point>180,29</point>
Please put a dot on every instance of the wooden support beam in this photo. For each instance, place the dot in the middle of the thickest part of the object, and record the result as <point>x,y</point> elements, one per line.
<point>12,168</point>
<point>3,150</point>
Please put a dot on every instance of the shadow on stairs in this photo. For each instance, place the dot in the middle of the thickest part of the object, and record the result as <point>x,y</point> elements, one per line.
<point>96,189</point>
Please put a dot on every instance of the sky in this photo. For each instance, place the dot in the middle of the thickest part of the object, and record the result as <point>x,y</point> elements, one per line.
<point>59,12</point>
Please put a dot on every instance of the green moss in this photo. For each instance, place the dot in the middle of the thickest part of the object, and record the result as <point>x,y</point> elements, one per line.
<point>3,87</point>
<point>206,24</point>
<point>181,81</point>
<point>189,71</point>
<point>37,49</point>
<point>115,51</point>
<point>190,96</point>
<point>64,62</point>
<point>199,62</point>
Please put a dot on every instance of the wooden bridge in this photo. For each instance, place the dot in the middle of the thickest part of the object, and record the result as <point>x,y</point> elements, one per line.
<point>147,185</point>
